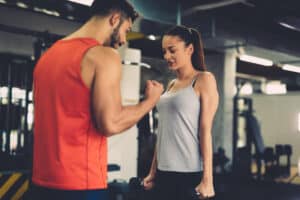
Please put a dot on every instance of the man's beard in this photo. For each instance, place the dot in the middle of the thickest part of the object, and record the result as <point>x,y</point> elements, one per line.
<point>115,38</point>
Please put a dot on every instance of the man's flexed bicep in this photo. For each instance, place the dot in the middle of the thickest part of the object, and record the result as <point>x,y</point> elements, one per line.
<point>106,94</point>
<point>110,116</point>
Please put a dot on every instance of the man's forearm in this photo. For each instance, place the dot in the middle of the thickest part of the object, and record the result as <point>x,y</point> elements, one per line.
<point>130,115</point>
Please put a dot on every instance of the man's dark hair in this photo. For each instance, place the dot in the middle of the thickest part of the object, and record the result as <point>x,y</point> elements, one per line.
<point>106,7</point>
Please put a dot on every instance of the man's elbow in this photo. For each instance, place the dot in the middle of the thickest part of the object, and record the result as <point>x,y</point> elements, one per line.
<point>107,129</point>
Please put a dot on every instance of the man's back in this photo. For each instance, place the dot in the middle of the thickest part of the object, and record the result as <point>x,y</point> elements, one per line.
<point>72,86</point>
<point>68,151</point>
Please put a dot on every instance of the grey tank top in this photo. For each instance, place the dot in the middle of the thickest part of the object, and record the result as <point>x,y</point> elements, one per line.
<point>178,147</point>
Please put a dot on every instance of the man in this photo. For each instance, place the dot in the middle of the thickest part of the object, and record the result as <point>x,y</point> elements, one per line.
<point>78,105</point>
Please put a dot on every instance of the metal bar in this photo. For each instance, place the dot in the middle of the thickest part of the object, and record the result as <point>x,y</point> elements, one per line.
<point>178,19</point>
<point>23,31</point>
<point>27,132</point>
<point>8,110</point>
<point>235,129</point>
<point>290,62</point>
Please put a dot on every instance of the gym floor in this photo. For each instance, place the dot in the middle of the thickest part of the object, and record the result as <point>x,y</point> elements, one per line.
<point>258,190</point>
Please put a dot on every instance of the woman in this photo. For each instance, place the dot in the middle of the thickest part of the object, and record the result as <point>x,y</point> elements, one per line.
<point>182,163</point>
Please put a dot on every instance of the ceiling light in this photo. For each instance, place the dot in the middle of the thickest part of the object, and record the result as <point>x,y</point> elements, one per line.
<point>37,9</point>
<point>46,11</point>
<point>151,37</point>
<point>84,2</point>
<point>287,25</point>
<point>290,22</point>
<point>70,17</point>
<point>55,13</point>
<point>256,60</point>
<point>22,5</point>
<point>291,68</point>
<point>274,87</point>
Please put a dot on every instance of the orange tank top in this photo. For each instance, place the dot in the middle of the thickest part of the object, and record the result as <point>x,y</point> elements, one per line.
<point>69,153</point>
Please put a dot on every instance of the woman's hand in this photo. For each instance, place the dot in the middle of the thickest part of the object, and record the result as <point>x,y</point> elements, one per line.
<point>148,182</point>
<point>205,190</point>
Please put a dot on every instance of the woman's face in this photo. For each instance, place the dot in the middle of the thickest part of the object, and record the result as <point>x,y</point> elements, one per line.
<point>175,52</point>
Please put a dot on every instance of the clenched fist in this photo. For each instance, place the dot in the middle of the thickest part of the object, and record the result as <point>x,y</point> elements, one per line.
<point>153,90</point>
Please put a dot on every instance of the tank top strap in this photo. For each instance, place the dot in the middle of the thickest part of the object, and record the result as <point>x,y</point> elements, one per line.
<point>171,84</point>
<point>194,80</point>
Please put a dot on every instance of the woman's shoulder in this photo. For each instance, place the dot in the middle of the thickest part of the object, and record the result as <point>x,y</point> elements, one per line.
<point>205,76</point>
<point>205,79</point>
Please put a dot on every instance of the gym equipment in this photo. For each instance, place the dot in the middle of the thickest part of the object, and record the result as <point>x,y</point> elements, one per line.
<point>282,151</point>
<point>193,195</point>
<point>269,158</point>
<point>15,85</point>
<point>219,161</point>
<point>288,152</point>
<point>146,142</point>
<point>136,189</point>
<point>117,190</point>
<point>242,157</point>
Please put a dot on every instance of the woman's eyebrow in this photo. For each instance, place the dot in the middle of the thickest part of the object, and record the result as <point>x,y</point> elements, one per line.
<point>171,46</point>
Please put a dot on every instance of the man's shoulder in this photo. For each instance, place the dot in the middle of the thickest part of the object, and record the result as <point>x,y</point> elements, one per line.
<point>105,53</point>
<point>100,55</point>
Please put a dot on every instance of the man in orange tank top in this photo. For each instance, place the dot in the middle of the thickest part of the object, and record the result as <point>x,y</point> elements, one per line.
<point>78,105</point>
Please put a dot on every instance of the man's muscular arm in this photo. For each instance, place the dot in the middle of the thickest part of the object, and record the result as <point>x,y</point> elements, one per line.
<point>110,116</point>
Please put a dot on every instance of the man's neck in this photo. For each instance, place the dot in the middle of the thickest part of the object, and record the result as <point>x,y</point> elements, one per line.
<point>97,29</point>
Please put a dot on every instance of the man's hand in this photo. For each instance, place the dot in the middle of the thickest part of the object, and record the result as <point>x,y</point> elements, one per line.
<point>153,90</point>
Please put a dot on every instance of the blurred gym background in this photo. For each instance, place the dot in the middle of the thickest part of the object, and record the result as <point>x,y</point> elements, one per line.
<point>251,46</point>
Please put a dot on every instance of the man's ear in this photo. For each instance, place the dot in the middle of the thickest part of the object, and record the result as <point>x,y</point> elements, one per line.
<point>114,19</point>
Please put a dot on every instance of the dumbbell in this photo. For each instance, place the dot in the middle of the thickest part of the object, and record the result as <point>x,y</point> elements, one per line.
<point>194,195</point>
<point>136,185</point>
<point>136,189</point>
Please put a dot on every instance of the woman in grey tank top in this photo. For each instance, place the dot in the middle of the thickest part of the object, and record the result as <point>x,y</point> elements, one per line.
<point>182,163</point>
